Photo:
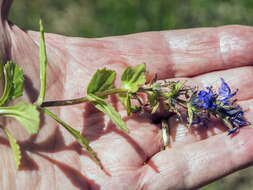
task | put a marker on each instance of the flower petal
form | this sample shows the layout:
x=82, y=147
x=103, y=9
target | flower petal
x=231, y=131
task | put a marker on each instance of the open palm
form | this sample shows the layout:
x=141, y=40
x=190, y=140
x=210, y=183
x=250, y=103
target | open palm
x=53, y=160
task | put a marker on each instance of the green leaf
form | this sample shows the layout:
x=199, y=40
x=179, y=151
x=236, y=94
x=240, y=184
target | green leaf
x=14, y=147
x=122, y=98
x=175, y=90
x=152, y=98
x=178, y=86
x=153, y=101
x=101, y=81
x=132, y=78
x=190, y=114
x=155, y=107
x=76, y=134
x=109, y=110
x=135, y=109
x=26, y=114
x=14, y=79
x=43, y=66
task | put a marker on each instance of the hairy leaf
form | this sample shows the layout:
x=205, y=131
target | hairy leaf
x=26, y=114
x=132, y=78
x=109, y=110
x=101, y=81
x=14, y=79
x=14, y=147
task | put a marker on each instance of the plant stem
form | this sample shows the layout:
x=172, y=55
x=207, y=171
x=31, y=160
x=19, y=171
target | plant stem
x=82, y=99
x=43, y=66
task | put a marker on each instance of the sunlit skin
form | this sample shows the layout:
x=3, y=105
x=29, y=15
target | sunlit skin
x=53, y=160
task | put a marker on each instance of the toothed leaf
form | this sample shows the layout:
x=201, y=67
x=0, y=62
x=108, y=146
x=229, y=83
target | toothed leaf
x=26, y=114
x=132, y=78
x=101, y=81
x=14, y=79
x=14, y=147
x=109, y=110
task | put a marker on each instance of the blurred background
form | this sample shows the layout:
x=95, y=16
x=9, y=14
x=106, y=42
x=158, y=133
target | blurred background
x=96, y=18
x=99, y=18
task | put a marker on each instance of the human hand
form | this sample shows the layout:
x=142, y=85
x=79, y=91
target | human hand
x=53, y=160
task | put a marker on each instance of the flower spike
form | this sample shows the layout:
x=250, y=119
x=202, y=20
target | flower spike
x=207, y=99
x=225, y=93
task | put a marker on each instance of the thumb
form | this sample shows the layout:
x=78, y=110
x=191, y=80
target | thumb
x=5, y=7
x=4, y=50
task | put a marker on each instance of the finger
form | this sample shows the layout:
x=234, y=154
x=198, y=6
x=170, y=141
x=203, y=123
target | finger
x=189, y=52
x=178, y=53
x=4, y=48
x=182, y=135
x=237, y=78
x=196, y=51
x=197, y=164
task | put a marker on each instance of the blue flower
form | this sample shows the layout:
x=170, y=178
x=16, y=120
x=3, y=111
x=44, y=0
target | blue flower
x=225, y=93
x=235, y=116
x=239, y=121
x=207, y=99
x=231, y=131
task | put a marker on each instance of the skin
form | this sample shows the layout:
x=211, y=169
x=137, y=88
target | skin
x=53, y=160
